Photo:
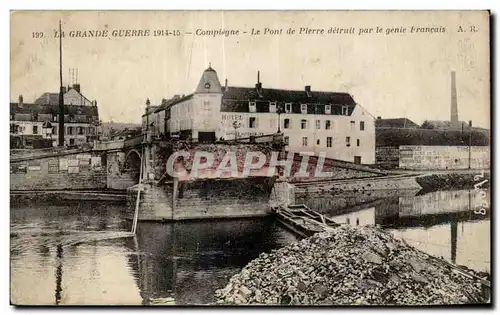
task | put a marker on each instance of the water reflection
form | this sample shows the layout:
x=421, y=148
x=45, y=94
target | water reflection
x=185, y=261
x=448, y=224
x=189, y=261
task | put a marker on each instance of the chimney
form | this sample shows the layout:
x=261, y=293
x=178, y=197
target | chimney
x=225, y=85
x=454, y=106
x=21, y=103
x=470, y=123
x=378, y=117
x=308, y=90
x=258, y=88
x=76, y=86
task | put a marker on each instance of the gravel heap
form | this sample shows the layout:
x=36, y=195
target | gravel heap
x=347, y=266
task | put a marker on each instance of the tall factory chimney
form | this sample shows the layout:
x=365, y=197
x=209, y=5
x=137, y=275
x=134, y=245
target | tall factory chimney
x=454, y=106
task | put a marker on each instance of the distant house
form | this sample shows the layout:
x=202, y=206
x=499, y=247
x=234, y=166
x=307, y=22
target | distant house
x=395, y=123
x=36, y=125
x=72, y=96
x=116, y=130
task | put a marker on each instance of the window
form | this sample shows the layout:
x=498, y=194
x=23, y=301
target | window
x=287, y=140
x=353, y=125
x=272, y=107
x=71, y=141
x=80, y=130
x=328, y=142
x=54, y=118
x=252, y=123
x=328, y=109
x=328, y=124
x=54, y=130
x=317, y=142
x=304, y=141
x=345, y=110
x=361, y=125
x=206, y=105
x=303, y=108
x=288, y=107
x=303, y=124
x=35, y=130
x=287, y=124
x=348, y=141
x=90, y=130
x=252, y=107
x=357, y=142
x=70, y=130
x=318, y=124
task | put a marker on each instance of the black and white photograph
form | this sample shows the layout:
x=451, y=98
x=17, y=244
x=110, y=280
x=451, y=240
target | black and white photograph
x=250, y=158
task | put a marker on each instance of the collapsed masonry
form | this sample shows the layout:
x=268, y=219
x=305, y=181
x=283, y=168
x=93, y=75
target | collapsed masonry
x=352, y=266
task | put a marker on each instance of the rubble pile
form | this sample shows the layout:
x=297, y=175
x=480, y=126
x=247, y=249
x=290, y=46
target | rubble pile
x=349, y=266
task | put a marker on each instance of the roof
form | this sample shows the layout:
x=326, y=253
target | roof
x=235, y=99
x=48, y=98
x=174, y=100
x=395, y=123
x=53, y=98
x=53, y=109
x=209, y=82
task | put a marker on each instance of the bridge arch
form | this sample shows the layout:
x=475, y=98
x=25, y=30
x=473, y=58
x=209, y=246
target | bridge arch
x=132, y=165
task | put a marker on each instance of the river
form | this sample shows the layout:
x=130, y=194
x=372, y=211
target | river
x=60, y=253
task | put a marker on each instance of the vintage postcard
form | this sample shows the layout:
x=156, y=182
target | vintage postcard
x=250, y=158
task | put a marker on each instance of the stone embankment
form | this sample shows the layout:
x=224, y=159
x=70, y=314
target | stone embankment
x=351, y=266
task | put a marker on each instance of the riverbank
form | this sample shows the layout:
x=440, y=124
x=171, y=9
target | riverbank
x=453, y=180
x=352, y=266
x=110, y=195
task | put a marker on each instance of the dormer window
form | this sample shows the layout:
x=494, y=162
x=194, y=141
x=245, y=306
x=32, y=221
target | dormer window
x=288, y=107
x=345, y=110
x=272, y=107
x=303, y=108
x=252, y=107
x=328, y=109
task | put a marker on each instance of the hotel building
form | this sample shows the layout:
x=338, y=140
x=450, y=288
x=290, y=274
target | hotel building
x=311, y=121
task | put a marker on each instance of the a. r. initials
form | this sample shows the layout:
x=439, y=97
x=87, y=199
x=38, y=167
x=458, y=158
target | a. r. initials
x=472, y=29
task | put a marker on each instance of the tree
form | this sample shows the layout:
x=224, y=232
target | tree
x=427, y=125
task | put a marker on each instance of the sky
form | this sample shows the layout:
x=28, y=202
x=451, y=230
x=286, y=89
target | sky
x=390, y=75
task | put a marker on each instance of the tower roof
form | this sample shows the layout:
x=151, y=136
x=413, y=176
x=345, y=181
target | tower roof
x=209, y=82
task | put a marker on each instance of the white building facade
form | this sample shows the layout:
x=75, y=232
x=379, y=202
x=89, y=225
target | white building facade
x=311, y=121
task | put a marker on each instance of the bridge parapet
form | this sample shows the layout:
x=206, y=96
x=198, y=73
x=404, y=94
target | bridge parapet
x=109, y=145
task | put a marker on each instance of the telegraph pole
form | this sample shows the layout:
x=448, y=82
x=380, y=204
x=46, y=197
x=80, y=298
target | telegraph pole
x=61, y=92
